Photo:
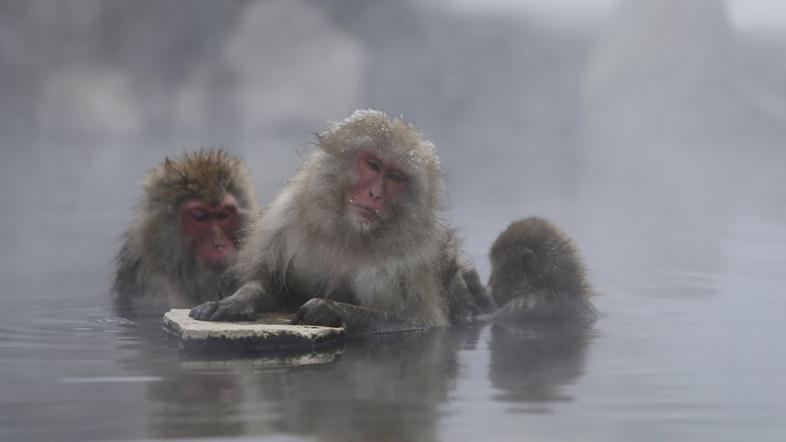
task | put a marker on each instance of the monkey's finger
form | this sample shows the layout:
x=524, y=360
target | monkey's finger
x=245, y=314
x=232, y=311
x=298, y=318
x=204, y=311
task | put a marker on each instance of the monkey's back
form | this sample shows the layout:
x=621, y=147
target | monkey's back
x=537, y=269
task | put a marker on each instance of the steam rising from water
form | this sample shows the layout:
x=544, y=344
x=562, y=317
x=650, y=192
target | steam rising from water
x=654, y=137
x=641, y=135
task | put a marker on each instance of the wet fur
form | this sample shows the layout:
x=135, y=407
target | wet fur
x=407, y=267
x=156, y=268
x=537, y=273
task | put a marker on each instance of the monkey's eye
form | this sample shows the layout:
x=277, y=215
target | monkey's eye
x=395, y=176
x=226, y=213
x=199, y=215
x=373, y=165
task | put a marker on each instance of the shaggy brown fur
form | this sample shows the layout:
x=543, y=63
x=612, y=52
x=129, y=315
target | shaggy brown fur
x=156, y=268
x=207, y=175
x=405, y=272
x=537, y=272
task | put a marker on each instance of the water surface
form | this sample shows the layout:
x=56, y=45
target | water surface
x=678, y=354
x=661, y=153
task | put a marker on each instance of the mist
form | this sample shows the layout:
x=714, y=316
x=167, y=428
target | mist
x=615, y=128
x=652, y=132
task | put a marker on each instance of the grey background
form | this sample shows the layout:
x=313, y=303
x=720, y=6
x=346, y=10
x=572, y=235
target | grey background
x=651, y=131
x=624, y=122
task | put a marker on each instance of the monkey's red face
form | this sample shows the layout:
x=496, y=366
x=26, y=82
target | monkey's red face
x=211, y=230
x=376, y=190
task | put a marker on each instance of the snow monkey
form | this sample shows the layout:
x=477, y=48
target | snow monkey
x=356, y=239
x=537, y=273
x=185, y=232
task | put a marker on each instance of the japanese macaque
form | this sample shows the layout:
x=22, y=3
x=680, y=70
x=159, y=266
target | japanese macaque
x=185, y=232
x=355, y=239
x=537, y=273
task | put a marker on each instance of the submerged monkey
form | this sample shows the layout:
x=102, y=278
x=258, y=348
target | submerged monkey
x=537, y=273
x=185, y=232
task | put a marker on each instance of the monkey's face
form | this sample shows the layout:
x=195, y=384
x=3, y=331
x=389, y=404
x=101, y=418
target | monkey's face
x=211, y=230
x=373, y=196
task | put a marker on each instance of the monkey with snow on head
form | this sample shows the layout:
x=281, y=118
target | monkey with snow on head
x=356, y=238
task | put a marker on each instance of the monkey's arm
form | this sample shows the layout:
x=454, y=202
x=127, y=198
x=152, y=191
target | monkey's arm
x=241, y=306
x=479, y=293
x=356, y=320
x=467, y=299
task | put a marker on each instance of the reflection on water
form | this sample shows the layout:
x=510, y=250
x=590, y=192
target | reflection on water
x=386, y=388
x=687, y=355
x=660, y=152
x=531, y=363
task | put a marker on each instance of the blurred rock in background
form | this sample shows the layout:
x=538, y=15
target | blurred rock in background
x=638, y=130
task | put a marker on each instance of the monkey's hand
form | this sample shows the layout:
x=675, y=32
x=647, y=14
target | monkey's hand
x=355, y=319
x=239, y=307
x=319, y=311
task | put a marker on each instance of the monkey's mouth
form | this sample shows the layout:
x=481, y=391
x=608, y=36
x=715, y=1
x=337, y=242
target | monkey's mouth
x=216, y=255
x=367, y=213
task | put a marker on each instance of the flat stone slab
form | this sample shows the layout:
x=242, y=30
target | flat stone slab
x=268, y=332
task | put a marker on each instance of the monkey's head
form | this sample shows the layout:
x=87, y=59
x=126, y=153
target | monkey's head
x=203, y=199
x=534, y=254
x=384, y=173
